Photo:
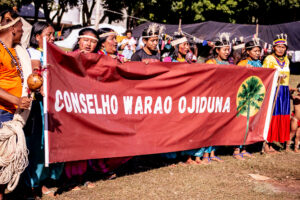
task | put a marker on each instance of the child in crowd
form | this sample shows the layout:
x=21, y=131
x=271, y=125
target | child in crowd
x=295, y=121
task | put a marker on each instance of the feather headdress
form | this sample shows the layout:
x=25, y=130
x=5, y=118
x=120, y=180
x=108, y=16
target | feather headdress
x=153, y=30
x=223, y=40
x=256, y=43
x=281, y=39
x=238, y=44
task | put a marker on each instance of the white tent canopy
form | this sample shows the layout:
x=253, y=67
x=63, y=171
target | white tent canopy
x=71, y=40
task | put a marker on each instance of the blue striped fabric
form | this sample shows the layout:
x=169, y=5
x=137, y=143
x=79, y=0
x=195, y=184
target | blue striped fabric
x=282, y=106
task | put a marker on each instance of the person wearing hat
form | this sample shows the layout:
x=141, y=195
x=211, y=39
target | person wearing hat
x=238, y=49
x=279, y=130
x=108, y=44
x=11, y=73
x=221, y=50
x=251, y=56
x=220, y=54
x=180, y=48
x=149, y=53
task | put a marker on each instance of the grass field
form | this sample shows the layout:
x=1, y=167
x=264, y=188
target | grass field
x=151, y=177
x=146, y=178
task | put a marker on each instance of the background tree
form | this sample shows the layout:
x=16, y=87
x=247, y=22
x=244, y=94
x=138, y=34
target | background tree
x=87, y=11
x=170, y=11
x=116, y=7
x=191, y=11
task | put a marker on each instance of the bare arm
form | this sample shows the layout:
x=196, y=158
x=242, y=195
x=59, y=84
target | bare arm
x=22, y=102
x=36, y=65
x=5, y=96
x=123, y=46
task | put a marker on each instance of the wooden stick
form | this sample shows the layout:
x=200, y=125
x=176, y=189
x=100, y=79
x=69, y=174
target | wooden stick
x=62, y=27
x=179, y=27
x=273, y=107
x=256, y=28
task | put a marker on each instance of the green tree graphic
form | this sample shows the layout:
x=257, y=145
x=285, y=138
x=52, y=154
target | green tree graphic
x=250, y=96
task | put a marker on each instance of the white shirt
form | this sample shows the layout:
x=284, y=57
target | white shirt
x=130, y=45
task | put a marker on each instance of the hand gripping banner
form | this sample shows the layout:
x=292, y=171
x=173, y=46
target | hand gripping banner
x=100, y=108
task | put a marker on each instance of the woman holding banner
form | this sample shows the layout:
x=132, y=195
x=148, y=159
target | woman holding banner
x=178, y=54
x=36, y=171
x=279, y=130
x=180, y=49
x=108, y=46
x=251, y=56
x=219, y=56
x=88, y=42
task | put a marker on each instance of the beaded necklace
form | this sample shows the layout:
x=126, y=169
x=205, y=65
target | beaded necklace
x=280, y=62
x=15, y=62
x=222, y=62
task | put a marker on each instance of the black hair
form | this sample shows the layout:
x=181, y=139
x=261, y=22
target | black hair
x=103, y=39
x=248, y=47
x=37, y=29
x=128, y=31
x=175, y=49
x=82, y=32
x=146, y=33
x=213, y=53
x=273, y=50
x=13, y=15
x=236, y=54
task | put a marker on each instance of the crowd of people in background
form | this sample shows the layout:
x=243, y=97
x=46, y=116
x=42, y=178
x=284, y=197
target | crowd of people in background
x=152, y=46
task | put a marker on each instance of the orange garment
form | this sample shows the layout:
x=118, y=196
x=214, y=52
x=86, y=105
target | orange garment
x=10, y=79
x=243, y=63
x=211, y=61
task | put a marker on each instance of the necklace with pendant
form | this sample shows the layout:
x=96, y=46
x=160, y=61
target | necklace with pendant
x=14, y=62
x=280, y=62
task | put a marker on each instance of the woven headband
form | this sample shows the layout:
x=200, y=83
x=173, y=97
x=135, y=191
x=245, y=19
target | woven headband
x=179, y=41
x=149, y=36
x=88, y=36
x=239, y=46
x=280, y=41
x=11, y=23
x=223, y=45
x=107, y=34
x=250, y=47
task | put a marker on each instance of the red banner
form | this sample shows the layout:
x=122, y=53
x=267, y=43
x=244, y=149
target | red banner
x=99, y=108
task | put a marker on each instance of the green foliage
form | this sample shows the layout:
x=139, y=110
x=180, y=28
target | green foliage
x=234, y=11
x=170, y=11
x=5, y=4
x=250, y=96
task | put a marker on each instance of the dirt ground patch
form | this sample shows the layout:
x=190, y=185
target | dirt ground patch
x=145, y=178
